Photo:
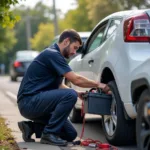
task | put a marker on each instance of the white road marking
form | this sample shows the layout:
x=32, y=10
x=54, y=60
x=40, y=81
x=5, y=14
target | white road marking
x=10, y=94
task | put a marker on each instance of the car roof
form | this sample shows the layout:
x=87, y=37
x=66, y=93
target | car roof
x=26, y=54
x=23, y=51
x=124, y=13
x=82, y=34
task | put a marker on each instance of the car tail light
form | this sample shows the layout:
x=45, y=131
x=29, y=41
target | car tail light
x=137, y=28
x=17, y=64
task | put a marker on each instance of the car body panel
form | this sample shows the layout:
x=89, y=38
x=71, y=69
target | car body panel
x=122, y=58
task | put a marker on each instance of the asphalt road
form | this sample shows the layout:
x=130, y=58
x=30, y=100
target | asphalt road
x=93, y=126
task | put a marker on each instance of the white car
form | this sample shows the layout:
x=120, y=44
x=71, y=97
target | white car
x=117, y=46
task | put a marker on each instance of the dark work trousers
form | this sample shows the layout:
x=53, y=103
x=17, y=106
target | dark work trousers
x=49, y=111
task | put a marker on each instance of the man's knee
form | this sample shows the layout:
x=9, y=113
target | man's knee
x=73, y=95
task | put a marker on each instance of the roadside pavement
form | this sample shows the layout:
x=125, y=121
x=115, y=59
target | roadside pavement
x=10, y=112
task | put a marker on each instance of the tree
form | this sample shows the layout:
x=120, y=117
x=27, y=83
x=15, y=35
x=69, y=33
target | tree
x=7, y=41
x=98, y=9
x=128, y=4
x=34, y=16
x=77, y=18
x=43, y=37
x=7, y=18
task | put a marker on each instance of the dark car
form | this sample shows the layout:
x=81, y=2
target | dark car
x=21, y=62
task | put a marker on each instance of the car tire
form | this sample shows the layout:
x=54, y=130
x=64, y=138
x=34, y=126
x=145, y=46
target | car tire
x=13, y=78
x=143, y=121
x=124, y=130
x=75, y=116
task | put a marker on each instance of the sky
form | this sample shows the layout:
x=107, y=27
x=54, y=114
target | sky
x=64, y=5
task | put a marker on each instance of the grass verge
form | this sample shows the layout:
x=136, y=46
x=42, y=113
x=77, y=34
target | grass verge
x=7, y=141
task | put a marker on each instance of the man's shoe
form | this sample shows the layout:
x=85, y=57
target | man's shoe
x=52, y=140
x=27, y=130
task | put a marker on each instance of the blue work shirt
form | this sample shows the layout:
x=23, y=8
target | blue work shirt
x=44, y=73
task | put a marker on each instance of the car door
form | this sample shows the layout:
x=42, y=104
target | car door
x=82, y=64
x=92, y=45
x=103, y=53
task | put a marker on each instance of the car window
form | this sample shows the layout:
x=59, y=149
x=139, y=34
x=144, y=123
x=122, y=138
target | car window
x=84, y=39
x=97, y=38
x=112, y=27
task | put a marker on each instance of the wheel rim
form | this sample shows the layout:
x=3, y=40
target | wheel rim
x=110, y=121
x=145, y=127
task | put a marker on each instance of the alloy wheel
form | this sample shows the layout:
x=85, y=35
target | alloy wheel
x=110, y=121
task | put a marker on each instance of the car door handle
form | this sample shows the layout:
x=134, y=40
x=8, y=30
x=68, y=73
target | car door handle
x=91, y=61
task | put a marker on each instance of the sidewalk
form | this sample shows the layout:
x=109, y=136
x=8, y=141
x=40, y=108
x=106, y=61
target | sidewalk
x=10, y=112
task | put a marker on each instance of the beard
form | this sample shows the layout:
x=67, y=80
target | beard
x=66, y=52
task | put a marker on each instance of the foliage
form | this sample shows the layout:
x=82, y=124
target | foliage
x=98, y=9
x=77, y=19
x=128, y=4
x=7, y=141
x=7, y=18
x=34, y=16
x=43, y=37
x=7, y=39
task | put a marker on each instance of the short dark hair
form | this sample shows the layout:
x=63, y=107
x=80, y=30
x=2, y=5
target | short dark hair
x=71, y=34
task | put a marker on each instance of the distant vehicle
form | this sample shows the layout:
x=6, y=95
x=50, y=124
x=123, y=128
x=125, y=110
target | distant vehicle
x=21, y=62
x=83, y=35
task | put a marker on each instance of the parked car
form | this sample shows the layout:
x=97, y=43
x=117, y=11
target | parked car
x=112, y=53
x=20, y=63
x=84, y=36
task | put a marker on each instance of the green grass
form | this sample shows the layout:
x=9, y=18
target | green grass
x=7, y=141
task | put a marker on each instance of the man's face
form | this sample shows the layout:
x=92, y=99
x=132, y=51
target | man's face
x=71, y=49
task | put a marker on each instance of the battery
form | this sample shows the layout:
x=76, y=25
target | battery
x=97, y=103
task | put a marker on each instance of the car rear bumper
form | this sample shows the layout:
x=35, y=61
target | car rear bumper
x=78, y=104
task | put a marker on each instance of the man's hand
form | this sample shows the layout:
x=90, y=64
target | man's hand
x=104, y=88
x=80, y=95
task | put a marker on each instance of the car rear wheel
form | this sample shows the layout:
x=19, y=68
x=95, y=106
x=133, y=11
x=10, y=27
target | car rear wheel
x=117, y=129
x=143, y=122
x=75, y=115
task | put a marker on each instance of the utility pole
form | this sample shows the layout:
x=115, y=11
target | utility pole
x=28, y=31
x=55, y=19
